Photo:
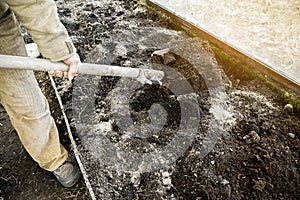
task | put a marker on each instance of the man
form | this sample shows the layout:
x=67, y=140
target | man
x=19, y=92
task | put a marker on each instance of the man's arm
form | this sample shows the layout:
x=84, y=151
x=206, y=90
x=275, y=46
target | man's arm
x=41, y=20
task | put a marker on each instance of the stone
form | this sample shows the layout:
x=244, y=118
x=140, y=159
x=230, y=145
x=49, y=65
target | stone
x=292, y=135
x=224, y=182
x=252, y=137
x=288, y=108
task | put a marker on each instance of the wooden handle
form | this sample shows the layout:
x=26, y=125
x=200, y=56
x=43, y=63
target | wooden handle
x=18, y=62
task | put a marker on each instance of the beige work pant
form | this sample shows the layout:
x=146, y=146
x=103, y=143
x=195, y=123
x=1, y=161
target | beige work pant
x=24, y=102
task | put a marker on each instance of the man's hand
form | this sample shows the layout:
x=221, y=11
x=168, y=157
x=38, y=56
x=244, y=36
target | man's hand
x=72, y=62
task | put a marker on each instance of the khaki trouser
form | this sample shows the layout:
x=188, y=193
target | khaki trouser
x=24, y=102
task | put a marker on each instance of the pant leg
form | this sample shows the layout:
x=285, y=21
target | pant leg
x=23, y=100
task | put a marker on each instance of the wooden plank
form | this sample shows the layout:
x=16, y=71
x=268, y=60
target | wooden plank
x=273, y=72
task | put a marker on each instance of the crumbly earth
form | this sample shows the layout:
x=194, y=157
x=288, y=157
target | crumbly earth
x=256, y=155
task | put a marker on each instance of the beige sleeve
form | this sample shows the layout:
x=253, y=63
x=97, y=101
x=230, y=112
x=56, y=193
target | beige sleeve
x=41, y=20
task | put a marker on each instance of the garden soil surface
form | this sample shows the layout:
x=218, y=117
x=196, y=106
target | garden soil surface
x=237, y=139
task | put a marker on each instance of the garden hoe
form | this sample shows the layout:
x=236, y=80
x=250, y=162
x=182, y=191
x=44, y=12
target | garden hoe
x=142, y=75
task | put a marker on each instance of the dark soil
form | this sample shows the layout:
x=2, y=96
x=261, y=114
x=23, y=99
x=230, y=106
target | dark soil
x=255, y=156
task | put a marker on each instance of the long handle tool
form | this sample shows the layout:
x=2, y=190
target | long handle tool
x=36, y=64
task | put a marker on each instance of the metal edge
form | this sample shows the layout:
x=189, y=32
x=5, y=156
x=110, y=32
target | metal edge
x=273, y=72
x=73, y=143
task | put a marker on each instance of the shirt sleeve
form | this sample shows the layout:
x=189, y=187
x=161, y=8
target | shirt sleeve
x=41, y=20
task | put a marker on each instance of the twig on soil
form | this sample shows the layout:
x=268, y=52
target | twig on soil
x=20, y=158
x=83, y=110
x=11, y=130
x=21, y=151
x=4, y=179
x=16, y=180
x=72, y=197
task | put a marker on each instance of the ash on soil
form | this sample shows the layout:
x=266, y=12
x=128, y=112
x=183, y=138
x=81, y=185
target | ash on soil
x=257, y=158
